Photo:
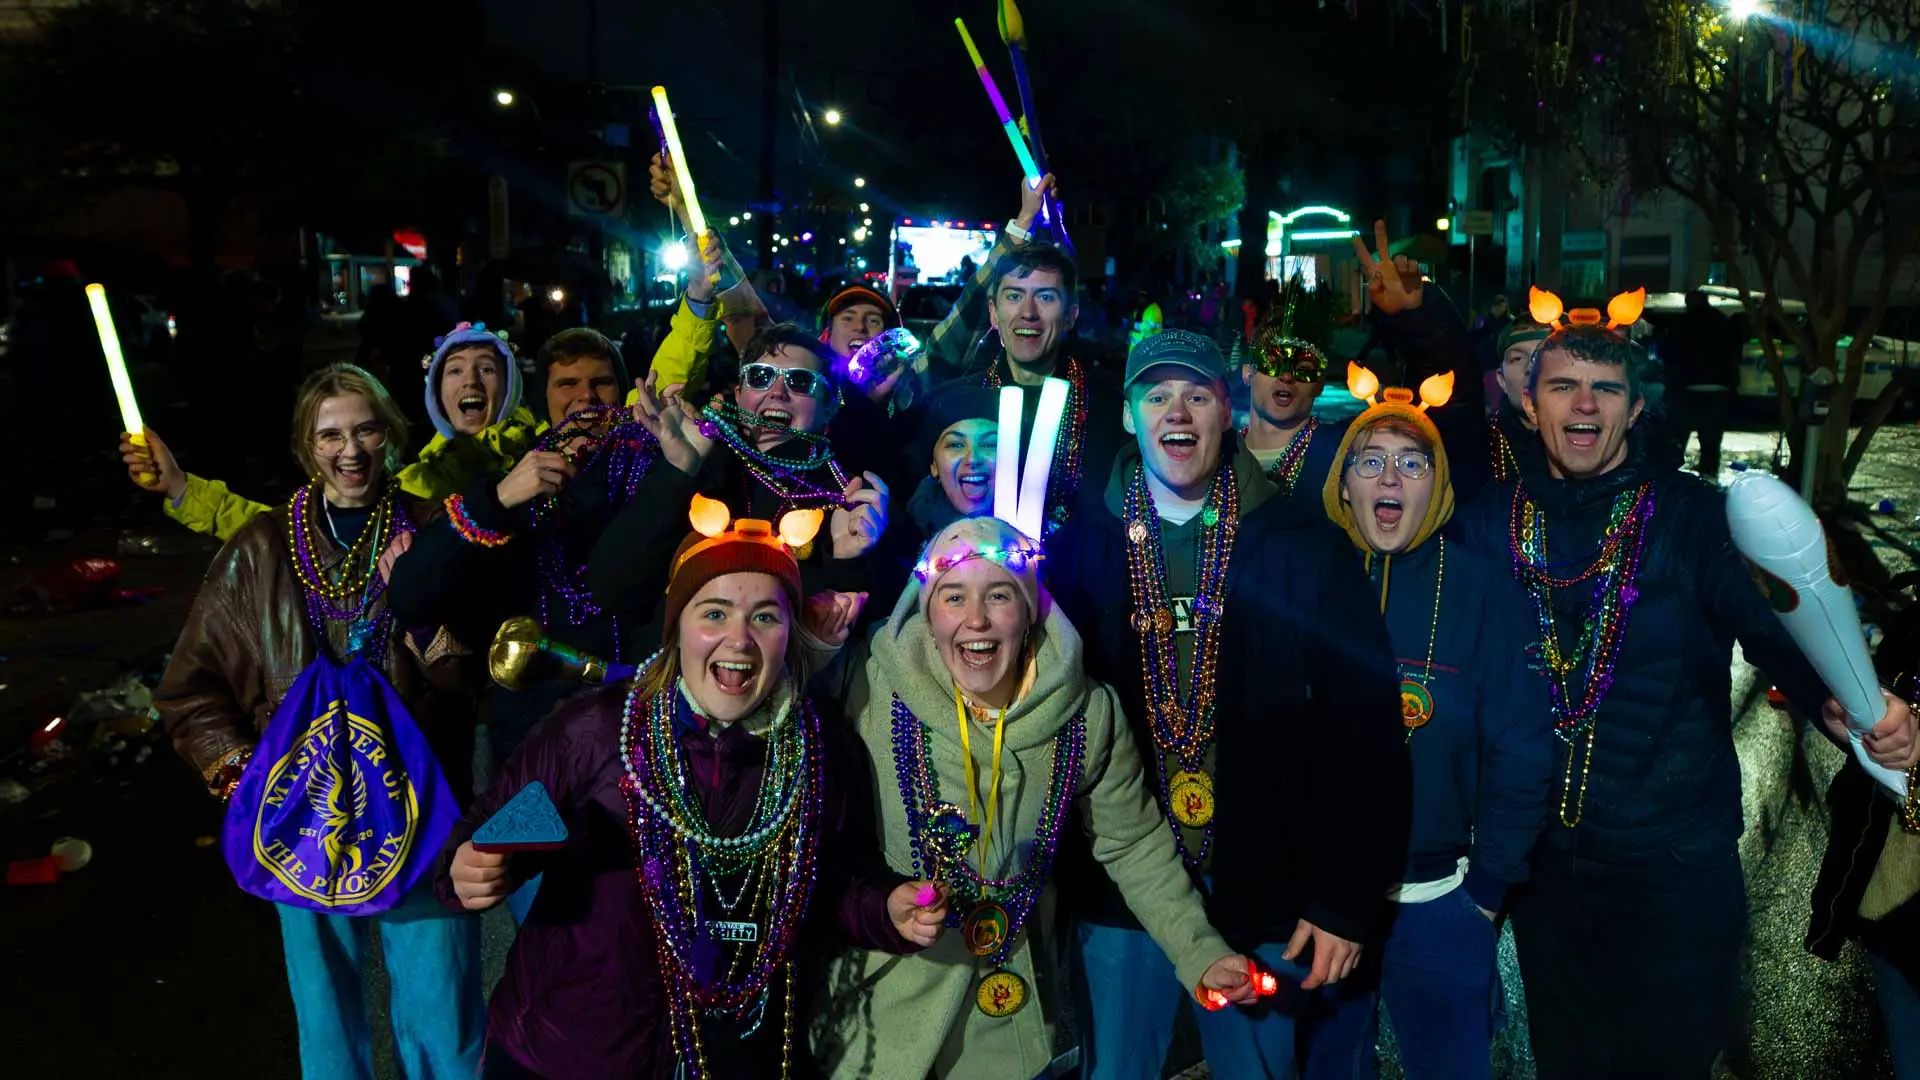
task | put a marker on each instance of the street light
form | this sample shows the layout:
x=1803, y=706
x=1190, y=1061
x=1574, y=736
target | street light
x=503, y=98
x=735, y=220
x=864, y=208
x=831, y=116
x=674, y=256
x=859, y=181
x=866, y=221
x=1443, y=224
x=1742, y=10
x=747, y=216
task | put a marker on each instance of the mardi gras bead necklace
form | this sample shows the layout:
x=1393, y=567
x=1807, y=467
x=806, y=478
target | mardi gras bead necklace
x=722, y=967
x=621, y=455
x=1505, y=466
x=1287, y=469
x=1063, y=480
x=1182, y=724
x=350, y=591
x=989, y=912
x=1615, y=572
x=1416, y=695
x=796, y=481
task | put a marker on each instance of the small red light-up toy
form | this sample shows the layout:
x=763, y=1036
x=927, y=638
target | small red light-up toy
x=1265, y=984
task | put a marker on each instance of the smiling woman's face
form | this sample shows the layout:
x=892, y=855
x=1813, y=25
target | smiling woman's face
x=979, y=620
x=733, y=643
x=963, y=464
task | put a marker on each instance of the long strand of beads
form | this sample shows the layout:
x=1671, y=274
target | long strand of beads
x=1287, y=469
x=672, y=864
x=1182, y=723
x=798, y=482
x=940, y=837
x=1615, y=575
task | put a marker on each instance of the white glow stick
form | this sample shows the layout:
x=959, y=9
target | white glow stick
x=1006, y=481
x=1046, y=435
x=1779, y=534
x=117, y=366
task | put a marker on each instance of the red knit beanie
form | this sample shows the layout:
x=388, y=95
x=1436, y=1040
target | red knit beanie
x=749, y=546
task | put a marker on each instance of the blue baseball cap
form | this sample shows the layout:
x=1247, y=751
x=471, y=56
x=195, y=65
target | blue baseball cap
x=1182, y=348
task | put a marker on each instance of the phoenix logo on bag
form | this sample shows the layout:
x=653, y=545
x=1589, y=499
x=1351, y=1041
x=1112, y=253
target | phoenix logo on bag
x=346, y=850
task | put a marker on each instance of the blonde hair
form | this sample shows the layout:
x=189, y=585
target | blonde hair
x=346, y=380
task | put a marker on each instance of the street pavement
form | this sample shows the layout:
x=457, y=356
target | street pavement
x=150, y=963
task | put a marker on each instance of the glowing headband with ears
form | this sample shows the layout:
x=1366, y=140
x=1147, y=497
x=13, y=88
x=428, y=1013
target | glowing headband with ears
x=711, y=518
x=1436, y=391
x=1622, y=310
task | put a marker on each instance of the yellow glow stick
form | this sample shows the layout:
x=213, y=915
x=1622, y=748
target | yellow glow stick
x=682, y=177
x=117, y=367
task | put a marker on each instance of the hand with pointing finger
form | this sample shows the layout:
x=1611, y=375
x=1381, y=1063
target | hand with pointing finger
x=1393, y=281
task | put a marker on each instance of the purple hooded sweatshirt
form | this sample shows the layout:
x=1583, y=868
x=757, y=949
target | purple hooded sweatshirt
x=582, y=995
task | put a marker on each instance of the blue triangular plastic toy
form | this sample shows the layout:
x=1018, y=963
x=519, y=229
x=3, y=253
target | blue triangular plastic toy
x=528, y=822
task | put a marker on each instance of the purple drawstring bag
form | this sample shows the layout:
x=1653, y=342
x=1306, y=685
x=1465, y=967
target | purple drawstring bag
x=343, y=807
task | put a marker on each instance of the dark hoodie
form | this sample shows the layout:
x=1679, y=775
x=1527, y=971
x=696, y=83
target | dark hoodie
x=1664, y=775
x=1311, y=776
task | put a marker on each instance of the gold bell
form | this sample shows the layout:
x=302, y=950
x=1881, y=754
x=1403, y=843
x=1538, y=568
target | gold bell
x=518, y=646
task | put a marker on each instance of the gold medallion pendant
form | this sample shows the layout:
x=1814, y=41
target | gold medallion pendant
x=1416, y=704
x=1190, y=798
x=985, y=929
x=1001, y=994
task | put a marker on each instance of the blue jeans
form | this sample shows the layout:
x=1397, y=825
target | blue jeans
x=1900, y=1007
x=433, y=971
x=1129, y=997
x=1435, y=972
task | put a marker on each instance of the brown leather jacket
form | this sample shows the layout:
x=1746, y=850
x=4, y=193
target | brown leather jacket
x=247, y=640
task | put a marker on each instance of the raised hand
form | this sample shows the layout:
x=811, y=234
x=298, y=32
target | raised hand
x=1031, y=200
x=857, y=525
x=660, y=181
x=713, y=258
x=540, y=472
x=151, y=467
x=667, y=418
x=1393, y=282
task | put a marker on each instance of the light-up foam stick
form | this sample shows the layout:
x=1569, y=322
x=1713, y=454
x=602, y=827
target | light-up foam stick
x=1020, y=495
x=1000, y=107
x=117, y=367
x=682, y=176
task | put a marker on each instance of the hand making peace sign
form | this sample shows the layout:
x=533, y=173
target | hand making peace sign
x=1393, y=283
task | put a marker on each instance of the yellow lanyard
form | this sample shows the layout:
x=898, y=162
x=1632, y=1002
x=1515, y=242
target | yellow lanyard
x=973, y=778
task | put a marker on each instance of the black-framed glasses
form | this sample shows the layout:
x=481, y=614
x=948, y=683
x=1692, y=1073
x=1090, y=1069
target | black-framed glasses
x=1410, y=464
x=803, y=381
